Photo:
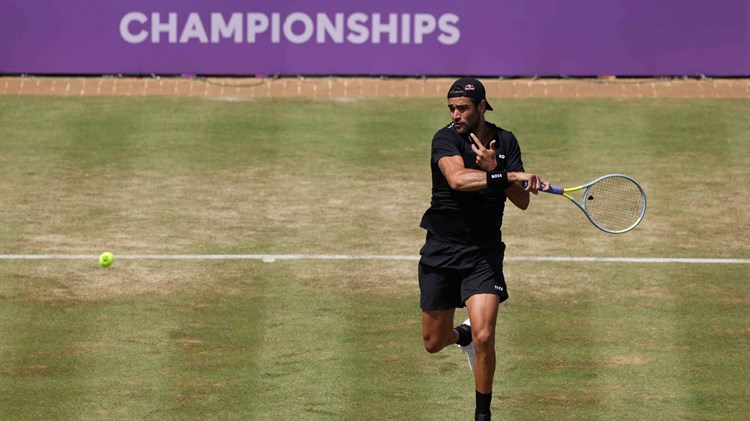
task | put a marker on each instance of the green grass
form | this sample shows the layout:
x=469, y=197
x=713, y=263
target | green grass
x=319, y=340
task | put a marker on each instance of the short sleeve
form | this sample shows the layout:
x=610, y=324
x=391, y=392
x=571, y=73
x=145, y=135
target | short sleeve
x=513, y=162
x=443, y=145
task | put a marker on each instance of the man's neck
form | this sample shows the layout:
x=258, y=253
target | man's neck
x=484, y=132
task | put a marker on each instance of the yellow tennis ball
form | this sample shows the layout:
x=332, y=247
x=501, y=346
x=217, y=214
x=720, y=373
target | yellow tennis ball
x=106, y=259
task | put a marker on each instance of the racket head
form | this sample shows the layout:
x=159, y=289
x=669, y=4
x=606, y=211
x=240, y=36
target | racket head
x=614, y=203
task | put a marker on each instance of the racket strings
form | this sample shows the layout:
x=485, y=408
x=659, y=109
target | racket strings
x=614, y=203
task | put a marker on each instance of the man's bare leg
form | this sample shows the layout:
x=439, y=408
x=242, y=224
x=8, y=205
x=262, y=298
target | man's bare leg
x=483, y=309
x=437, y=329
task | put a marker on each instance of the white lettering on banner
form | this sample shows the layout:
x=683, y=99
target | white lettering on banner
x=405, y=28
x=449, y=31
x=275, y=37
x=194, y=29
x=133, y=38
x=390, y=28
x=307, y=24
x=220, y=28
x=257, y=23
x=335, y=30
x=359, y=32
x=423, y=24
x=297, y=28
x=157, y=28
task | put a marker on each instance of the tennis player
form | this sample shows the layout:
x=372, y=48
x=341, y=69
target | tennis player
x=475, y=165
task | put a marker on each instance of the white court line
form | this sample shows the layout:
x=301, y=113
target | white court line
x=274, y=257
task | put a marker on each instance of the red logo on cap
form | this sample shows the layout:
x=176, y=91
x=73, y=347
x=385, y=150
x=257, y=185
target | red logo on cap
x=469, y=88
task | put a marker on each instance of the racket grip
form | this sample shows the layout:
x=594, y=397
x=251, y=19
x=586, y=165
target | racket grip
x=552, y=189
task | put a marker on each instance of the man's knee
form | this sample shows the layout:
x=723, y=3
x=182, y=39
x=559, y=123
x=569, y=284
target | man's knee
x=437, y=329
x=483, y=338
x=434, y=343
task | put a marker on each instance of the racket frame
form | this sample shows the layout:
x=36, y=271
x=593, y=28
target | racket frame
x=565, y=192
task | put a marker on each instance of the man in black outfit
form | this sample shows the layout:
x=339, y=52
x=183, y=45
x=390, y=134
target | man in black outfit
x=475, y=167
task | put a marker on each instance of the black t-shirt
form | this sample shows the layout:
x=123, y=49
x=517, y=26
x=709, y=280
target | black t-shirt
x=468, y=217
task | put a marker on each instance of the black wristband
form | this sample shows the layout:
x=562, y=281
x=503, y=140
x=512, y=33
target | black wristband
x=498, y=178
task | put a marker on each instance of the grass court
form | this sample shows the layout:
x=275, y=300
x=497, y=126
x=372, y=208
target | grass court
x=341, y=339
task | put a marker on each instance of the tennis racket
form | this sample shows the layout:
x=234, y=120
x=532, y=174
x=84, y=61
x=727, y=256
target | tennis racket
x=614, y=203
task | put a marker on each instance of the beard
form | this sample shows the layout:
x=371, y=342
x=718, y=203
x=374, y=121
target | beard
x=464, y=127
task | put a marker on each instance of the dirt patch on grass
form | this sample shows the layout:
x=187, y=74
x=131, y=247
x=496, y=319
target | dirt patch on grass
x=384, y=278
x=586, y=398
x=85, y=281
x=241, y=88
x=623, y=360
x=29, y=370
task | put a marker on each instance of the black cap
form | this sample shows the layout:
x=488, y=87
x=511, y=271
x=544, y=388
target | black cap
x=470, y=88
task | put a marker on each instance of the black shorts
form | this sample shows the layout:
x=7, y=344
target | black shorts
x=451, y=272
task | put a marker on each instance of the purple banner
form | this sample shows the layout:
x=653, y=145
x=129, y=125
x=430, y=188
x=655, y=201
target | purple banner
x=387, y=37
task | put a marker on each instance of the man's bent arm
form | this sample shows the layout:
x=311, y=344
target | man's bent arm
x=459, y=177
x=518, y=196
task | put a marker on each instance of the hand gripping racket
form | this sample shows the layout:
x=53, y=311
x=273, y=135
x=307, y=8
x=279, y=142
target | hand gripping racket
x=614, y=203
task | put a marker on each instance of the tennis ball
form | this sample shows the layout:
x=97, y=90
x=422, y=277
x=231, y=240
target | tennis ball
x=106, y=259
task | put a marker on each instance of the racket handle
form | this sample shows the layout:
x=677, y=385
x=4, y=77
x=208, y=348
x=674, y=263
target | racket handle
x=552, y=189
